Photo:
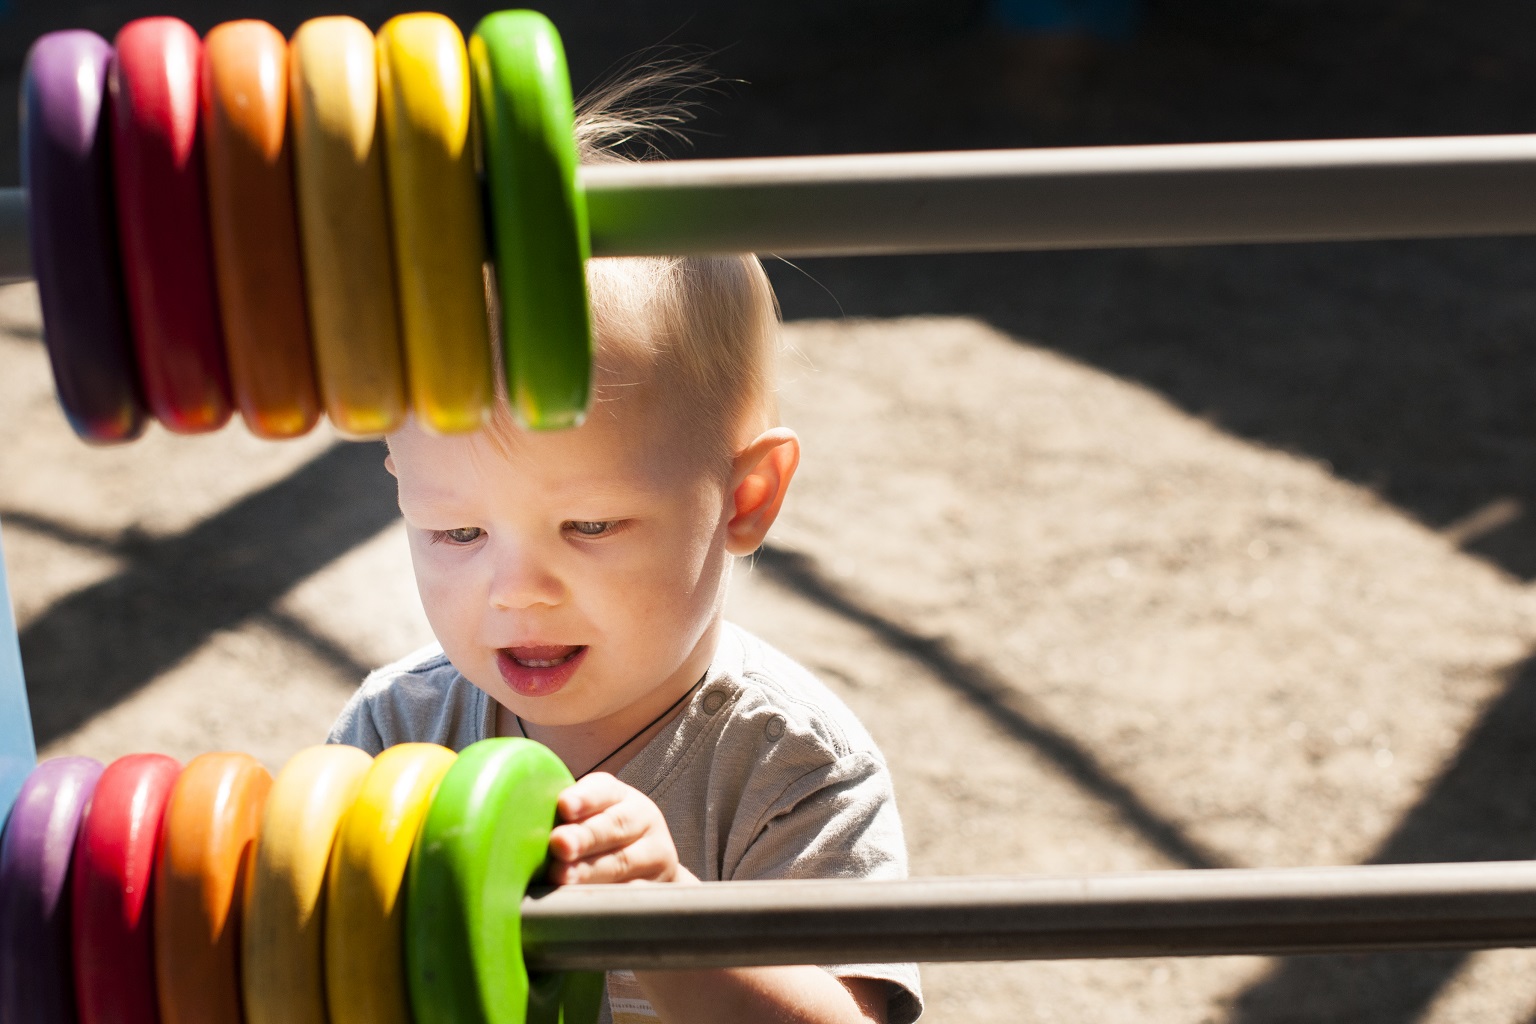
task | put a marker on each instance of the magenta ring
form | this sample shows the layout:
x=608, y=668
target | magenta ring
x=36, y=969
x=67, y=171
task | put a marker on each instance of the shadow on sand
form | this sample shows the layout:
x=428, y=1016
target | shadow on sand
x=227, y=568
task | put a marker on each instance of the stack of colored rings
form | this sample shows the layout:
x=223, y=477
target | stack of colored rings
x=290, y=227
x=149, y=892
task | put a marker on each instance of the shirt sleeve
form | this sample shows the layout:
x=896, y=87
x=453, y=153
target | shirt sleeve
x=416, y=701
x=356, y=727
x=840, y=821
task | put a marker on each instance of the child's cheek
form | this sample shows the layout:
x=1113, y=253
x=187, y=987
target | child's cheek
x=440, y=584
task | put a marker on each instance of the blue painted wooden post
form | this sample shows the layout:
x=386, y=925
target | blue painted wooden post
x=18, y=751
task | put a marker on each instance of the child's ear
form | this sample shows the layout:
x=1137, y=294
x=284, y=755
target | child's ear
x=760, y=476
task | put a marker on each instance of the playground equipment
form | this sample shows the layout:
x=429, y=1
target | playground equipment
x=286, y=228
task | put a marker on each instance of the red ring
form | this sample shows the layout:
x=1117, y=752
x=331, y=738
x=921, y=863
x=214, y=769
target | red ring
x=113, y=867
x=162, y=212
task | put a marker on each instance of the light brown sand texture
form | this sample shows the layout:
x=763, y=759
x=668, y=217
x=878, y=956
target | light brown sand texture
x=1091, y=632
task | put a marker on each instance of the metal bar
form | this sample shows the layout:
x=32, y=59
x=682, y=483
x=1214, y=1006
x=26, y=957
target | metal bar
x=1068, y=198
x=1165, y=913
x=1098, y=197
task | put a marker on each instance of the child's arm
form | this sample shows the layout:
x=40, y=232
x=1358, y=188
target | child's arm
x=614, y=833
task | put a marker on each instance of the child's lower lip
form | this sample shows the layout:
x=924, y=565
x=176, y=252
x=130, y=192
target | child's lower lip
x=528, y=681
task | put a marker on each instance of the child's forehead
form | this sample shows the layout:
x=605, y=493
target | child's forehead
x=624, y=445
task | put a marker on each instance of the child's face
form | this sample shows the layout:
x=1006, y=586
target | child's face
x=575, y=572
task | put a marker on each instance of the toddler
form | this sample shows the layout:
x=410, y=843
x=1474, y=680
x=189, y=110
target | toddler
x=575, y=582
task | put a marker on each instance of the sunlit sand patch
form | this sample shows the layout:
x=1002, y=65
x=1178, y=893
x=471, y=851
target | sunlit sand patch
x=51, y=566
x=247, y=689
x=1268, y=664
x=364, y=602
x=1273, y=662
x=161, y=484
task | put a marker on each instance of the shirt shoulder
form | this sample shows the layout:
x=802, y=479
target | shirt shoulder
x=770, y=775
x=766, y=758
x=420, y=698
x=773, y=694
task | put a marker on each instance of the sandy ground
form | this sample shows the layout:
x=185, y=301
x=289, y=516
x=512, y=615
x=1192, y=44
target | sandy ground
x=1090, y=631
x=1129, y=560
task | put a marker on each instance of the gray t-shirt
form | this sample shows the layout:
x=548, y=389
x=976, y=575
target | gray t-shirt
x=766, y=774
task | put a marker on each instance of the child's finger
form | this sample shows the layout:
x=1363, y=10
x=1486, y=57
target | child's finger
x=616, y=826
x=643, y=861
x=589, y=795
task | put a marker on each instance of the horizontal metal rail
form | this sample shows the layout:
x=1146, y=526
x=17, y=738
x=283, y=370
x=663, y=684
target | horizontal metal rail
x=1096, y=197
x=1162, y=913
x=1086, y=198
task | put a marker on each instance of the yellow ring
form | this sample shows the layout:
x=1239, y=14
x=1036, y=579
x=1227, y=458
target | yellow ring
x=344, y=224
x=282, y=953
x=439, y=231
x=364, y=911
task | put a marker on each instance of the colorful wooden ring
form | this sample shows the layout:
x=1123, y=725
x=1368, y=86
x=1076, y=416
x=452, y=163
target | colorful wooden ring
x=483, y=840
x=349, y=275
x=281, y=954
x=36, y=980
x=439, y=230
x=211, y=824
x=538, y=215
x=113, y=870
x=162, y=216
x=364, y=908
x=67, y=171
x=255, y=228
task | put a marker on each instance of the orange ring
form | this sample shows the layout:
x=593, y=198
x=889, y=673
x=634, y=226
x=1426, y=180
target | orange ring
x=255, y=228
x=210, y=830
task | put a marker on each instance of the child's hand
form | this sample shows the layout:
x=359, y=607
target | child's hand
x=612, y=832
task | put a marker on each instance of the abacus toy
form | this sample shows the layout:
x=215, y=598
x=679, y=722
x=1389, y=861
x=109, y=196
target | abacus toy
x=223, y=232
x=392, y=889
x=291, y=227
x=147, y=891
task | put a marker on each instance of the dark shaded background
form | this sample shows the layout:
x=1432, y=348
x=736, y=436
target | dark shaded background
x=1416, y=365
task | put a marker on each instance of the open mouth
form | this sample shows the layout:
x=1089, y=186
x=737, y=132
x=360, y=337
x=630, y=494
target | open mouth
x=539, y=671
x=543, y=657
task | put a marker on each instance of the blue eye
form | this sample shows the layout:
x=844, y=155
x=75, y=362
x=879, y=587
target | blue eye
x=459, y=535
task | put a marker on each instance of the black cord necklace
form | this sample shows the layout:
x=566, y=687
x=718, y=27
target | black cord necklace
x=642, y=731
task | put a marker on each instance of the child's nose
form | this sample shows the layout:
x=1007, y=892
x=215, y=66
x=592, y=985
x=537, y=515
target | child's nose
x=521, y=580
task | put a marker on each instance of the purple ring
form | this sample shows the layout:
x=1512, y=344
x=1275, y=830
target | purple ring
x=66, y=168
x=36, y=973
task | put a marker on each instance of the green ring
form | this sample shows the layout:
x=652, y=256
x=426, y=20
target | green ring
x=538, y=215
x=484, y=839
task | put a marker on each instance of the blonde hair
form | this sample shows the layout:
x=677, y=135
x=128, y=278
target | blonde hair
x=697, y=333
